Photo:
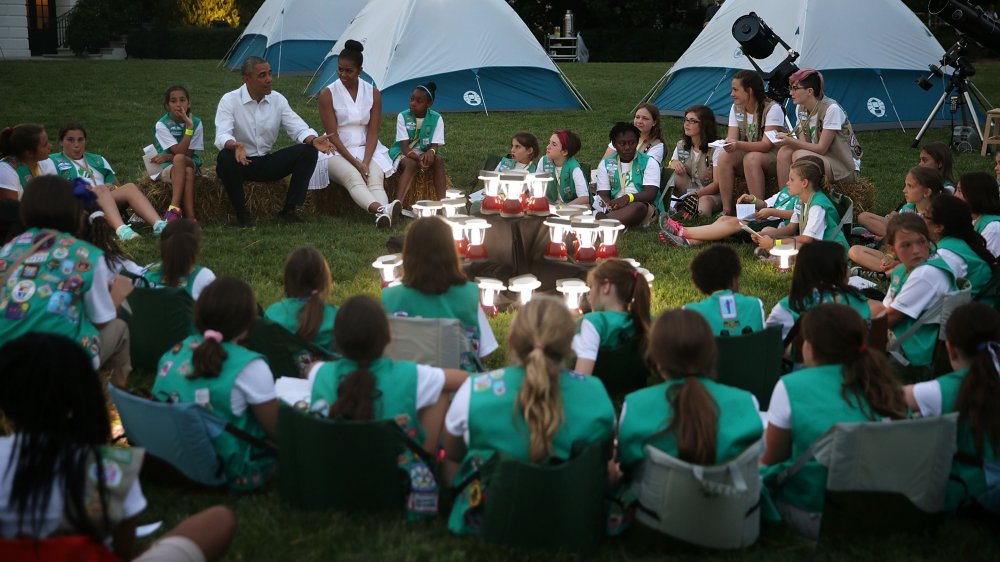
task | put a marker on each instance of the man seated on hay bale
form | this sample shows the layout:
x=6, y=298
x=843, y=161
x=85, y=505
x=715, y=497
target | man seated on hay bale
x=246, y=126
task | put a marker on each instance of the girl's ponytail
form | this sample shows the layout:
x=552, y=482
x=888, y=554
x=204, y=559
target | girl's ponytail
x=209, y=356
x=973, y=331
x=224, y=312
x=356, y=395
x=307, y=277
x=630, y=288
x=361, y=331
x=695, y=421
x=180, y=243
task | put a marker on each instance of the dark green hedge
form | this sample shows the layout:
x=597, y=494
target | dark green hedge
x=637, y=45
x=181, y=42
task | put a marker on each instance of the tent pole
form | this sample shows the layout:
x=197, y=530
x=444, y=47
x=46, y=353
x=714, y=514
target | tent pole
x=891, y=102
x=482, y=96
x=654, y=90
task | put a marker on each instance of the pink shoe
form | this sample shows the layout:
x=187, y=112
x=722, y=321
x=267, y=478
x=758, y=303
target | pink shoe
x=171, y=215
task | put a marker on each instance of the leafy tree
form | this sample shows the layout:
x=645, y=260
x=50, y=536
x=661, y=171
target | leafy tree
x=203, y=13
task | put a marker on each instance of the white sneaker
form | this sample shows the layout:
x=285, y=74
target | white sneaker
x=382, y=219
x=126, y=233
x=395, y=211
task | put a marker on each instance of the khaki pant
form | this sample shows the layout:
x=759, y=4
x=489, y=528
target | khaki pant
x=114, y=352
x=364, y=193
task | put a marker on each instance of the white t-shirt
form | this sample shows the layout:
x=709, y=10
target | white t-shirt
x=402, y=135
x=774, y=118
x=779, y=411
x=254, y=385
x=992, y=235
x=86, y=171
x=456, y=421
x=954, y=261
x=654, y=151
x=135, y=501
x=817, y=221
x=430, y=383
x=587, y=341
x=928, y=397
x=167, y=140
x=579, y=182
x=97, y=301
x=833, y=121
x=650, y=177
x=10, y=180
x=780, y=317
x=924, y=286
x=487, y=341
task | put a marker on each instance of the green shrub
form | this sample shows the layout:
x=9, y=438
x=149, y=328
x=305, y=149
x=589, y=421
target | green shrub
x=181, y=42
x=89, y=29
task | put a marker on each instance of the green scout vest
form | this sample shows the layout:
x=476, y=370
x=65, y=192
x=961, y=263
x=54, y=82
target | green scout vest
x=858, y=303
x=908, y=208
x=562, y=188
x=285, y=313
x=419, y=139
x=23, y=172
x=752, y=132
x=459, y=301
x=647, y=415
x=973, y=477
x=46, y=292
x=174, y=384
x=395, y=384
x=844, y=148
x=69, y=170
x=730, y=313
x=831, y=218
x=979, y=272
x=615, y=328
x=984, y=220
x=785, y=201
x=177, y=131
x=919, y=349
x=700, y=168
x=496, y=425
x=154, y=274
x=634, y=178
x=507, y=163
x=814, y=395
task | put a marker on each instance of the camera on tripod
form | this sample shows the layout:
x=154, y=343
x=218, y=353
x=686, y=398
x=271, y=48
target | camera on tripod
x=954, y=58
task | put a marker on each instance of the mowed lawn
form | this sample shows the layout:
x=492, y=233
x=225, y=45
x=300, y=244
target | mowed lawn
x=119, y=101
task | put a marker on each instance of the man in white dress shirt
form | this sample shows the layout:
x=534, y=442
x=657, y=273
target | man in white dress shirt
x=246, y=126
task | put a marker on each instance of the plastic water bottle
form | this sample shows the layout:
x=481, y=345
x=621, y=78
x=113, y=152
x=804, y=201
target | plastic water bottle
x=567, y=27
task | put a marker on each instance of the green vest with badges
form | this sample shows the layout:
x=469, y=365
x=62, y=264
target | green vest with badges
x=967, y=480
x=908, y=208
x=619, y=184
x=46, y=292
x=459, y=301
x=395, y=386
x=419, y=138
x=855, y=301
x=919, y=348
x=285, y=313
x=68, y=169
x=615, y=328
x=562, y=188
x=730, y=313
x=831, y=218
x=979, y=272
x=984, y=220
x=497, y=425
x=507, y=164
x=23, y=171
x=154, y=274
x=245, y=468
x=177, y=131
x=814, y=395
x=647, y=415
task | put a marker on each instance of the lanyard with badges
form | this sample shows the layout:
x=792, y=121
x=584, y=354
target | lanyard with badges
x=623, y=181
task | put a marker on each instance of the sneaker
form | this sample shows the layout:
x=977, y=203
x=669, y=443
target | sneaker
x=244, y=220
x=868, y=274
x=126, y=233
x=290, y=217
x=172, y=214
x=382, y=220
x=673, y=240
x=158, y=227
x=670, y=225
x=395, y=211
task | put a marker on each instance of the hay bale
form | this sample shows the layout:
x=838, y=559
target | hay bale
x=422, y=188
x=770, y=187
x=332, y=200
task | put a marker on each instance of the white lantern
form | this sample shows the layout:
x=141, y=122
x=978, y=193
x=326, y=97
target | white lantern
x=426, y=208
x=558, y=227
x=491, y=199
x=631, y=262
x=586, y=240
x=784, y=253
x=476, y=230
x=538, y=184
x=387, y=266
x=647, y=275
x=512, y=185
x=457, y=223
x=452, y=193
x=453, y=207
x=570, y=211
x=573, y=291
x=610, y=229
x=524, y=286
x=489, y=288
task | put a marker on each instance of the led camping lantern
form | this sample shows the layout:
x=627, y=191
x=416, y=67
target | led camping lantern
x=491, y=199
x=610, y=229
x=427, y=208
x=452, y=193
x=784, y=253
x=573, y=290
x=524, y=286
x=647, y=275
x=476, y=231
x=556, y=250
x=457, y=223
x=386, y=266
x=489, y=288
x=512, y=187
x=453, y=206
x=586, y=238
x=538, y=184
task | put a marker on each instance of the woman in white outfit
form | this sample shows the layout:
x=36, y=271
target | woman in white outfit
x=351, y=110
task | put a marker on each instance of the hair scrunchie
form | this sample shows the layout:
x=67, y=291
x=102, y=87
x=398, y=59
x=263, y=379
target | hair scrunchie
x=213, y=335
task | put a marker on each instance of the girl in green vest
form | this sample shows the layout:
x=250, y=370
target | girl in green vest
x=50, y=442
x=949, y=221
x=921, y=185
x=434, y=286
x=24, y=154
x=568, y=186
x=822, y=129
x=523, y=153
x=815, y=217
x=419, y=134
x=972, y=390
x=820, y=276
x=180, y=246
x=619, y=304
x=844, y=381
x=179, y=135
x=628, y=182
x=918, y=282
x=715, y=271
x=214, y=371
x=75, y=162
x=534, y=411
x=979, y=190
x=937, y=156
x=304, y=310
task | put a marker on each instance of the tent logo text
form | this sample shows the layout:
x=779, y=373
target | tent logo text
x=876, y=107
x=472, y=98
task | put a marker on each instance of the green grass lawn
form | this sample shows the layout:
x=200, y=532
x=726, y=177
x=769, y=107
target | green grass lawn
x=119, y=101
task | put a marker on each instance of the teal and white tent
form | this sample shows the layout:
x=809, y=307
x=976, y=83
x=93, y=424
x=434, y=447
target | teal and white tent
x=871, y=53
x=294, y=35
x=479, y=53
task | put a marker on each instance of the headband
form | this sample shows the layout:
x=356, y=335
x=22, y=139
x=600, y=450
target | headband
x=991, y=347
x=429, y=93
x=563, y=138
x=95, y=215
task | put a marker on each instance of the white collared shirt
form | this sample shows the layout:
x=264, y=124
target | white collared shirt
x=254, y=124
